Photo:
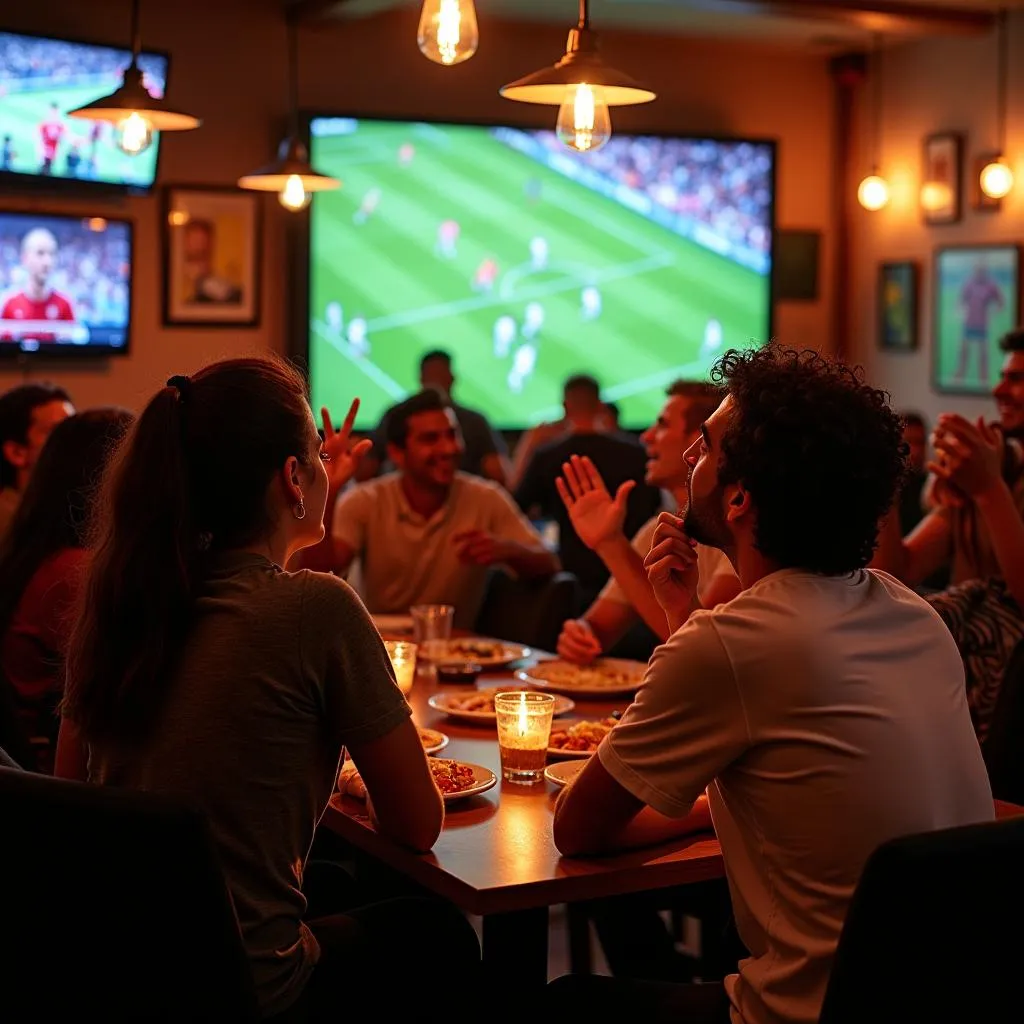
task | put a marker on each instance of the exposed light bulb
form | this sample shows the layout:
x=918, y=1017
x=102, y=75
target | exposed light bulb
x=584, y=123
x=873, y=192
x=133, y=134
x=294, y=195
x=448, y=32
x=935, y=195
x=996, y=179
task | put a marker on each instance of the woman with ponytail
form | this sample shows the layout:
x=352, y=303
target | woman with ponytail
x=199, y=667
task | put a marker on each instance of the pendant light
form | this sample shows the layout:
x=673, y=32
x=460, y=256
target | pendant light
x=583, y=87
x=134, y=112
x=448, y=32
x=873, y=191
x=996, y=176
x=291, y=175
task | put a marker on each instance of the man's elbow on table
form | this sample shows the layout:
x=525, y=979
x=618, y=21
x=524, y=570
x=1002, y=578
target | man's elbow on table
x=592, y=813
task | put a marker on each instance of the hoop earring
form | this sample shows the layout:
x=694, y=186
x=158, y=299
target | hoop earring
x=300, y=510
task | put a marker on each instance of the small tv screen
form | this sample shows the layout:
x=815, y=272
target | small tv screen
x=65, y=284
x=640, y=263
x=40, y=81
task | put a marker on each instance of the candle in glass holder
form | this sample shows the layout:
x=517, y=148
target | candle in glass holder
x=524, y=729
x=403, y=661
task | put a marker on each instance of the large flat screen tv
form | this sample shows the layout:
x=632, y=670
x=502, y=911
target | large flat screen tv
x=65, y=285
x=639, y=263
x=40, y=81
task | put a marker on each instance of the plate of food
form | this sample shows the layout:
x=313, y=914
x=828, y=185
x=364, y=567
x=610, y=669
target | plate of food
x=477, y=706
x=605, y=677
x=393, y=625
x=455, y=779
x=579, y=739
x=483, y=651
x=432, y=740
x=564, y=772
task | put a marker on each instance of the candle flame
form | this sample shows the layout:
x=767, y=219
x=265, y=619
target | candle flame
x=523, y=719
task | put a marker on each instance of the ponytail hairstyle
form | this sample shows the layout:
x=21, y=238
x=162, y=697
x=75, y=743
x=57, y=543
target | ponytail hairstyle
x=191, y=478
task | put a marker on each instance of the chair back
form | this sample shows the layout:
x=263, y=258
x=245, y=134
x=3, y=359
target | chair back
x=527, y=612
x=1004, y=745
x=114, y=908
x=935, y=931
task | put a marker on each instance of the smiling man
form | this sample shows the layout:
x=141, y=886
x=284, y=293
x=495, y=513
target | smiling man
x=795, y=706
x=427, y=533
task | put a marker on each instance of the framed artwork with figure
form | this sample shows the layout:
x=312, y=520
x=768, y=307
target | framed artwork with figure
x=897, y=306
x=977, y=300
x=211, y=257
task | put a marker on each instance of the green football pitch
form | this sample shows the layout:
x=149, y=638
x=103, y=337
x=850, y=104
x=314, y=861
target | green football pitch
x=24, y=112
x=657, y=290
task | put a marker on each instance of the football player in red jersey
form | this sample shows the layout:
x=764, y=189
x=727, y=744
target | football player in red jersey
x=37, y=300
x=50, y=134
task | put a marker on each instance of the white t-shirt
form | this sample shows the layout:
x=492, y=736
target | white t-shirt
x=825, y=715
x=711, y=563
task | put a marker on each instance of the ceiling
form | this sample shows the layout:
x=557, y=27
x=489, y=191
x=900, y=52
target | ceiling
x=821, y=23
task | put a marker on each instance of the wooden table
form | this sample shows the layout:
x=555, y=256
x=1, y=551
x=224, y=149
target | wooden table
x=496, y=857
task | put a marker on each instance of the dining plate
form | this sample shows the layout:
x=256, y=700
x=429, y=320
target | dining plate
x=433, y=741
x=564, y=772
x=394, y=625
x=606, y=677
x=593, y=730
x=485, y=652
x=471, y=778
x=477, y=706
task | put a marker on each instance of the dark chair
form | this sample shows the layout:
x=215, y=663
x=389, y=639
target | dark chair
x=935, y=931
x=1004, y=745
x=13, y=736
x=114, y=909
x=528, y=612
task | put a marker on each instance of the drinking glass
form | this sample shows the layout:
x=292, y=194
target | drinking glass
x=431, y=622
x=524, y=730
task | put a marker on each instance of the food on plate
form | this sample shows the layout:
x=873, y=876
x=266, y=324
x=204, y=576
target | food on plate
x=584, y=737
x=430, y=738
x=468, y=650
x=596, y=676
x=480, y=701
x=350, y=782
x=450, y=776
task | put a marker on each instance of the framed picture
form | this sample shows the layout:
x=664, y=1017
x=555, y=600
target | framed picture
x=977, y=300
x=941, y=178
x=897, y=306
x=211, y=257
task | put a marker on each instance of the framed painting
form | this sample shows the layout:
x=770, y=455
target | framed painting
x=941, y=178
x=898, y=306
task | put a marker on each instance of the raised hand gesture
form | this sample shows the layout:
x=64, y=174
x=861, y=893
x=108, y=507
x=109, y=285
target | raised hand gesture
x=969, y=455
x=596, y=516
x=342, y=455
x=672, y=567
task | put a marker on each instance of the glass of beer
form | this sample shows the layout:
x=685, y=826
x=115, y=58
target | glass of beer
x=403, y=661
x=524, y=729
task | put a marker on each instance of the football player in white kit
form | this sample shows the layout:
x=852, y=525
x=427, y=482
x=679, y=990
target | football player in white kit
x=357, y=339
x=505, y=331
x=713, y=336
x=590, y=303
x=335, y=317
x=523, y=363
x=367, y=207
x=533, y=320
x=539, y=252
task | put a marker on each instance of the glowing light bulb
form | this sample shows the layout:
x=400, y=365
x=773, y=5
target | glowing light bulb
x=935, y=195
x=873, y=193
x=448, y=32
x=584, y=123
x=294, y=195
x=996, y=179
x=133, y=134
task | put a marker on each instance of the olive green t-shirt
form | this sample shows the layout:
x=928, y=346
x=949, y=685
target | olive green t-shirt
x=278, y=673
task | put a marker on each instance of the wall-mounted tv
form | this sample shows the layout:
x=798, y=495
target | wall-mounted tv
x=65, y=285
x=40, y=81
x=639, y=263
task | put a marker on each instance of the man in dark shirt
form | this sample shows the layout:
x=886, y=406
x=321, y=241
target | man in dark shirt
x=618, y=458
x=485, y=451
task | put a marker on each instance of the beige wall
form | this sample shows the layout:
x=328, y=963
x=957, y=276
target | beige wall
x=938, y=85
x=228, y=67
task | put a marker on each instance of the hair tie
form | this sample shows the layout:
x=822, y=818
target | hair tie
x=183, y=385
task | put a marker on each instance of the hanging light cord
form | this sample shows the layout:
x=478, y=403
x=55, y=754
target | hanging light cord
x=136, y=31
x=1002, y=75
x=584, y=14
x=293, y=75
x=876, y=129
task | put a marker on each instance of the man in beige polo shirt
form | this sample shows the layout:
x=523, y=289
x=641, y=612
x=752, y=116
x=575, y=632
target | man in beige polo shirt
x=427, y=533
x=822, y=710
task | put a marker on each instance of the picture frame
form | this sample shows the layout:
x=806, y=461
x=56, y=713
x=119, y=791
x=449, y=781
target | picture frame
x=942, y=178
x=212, y=241
x=976, y=301
x=898, y=303
x=979, y=201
